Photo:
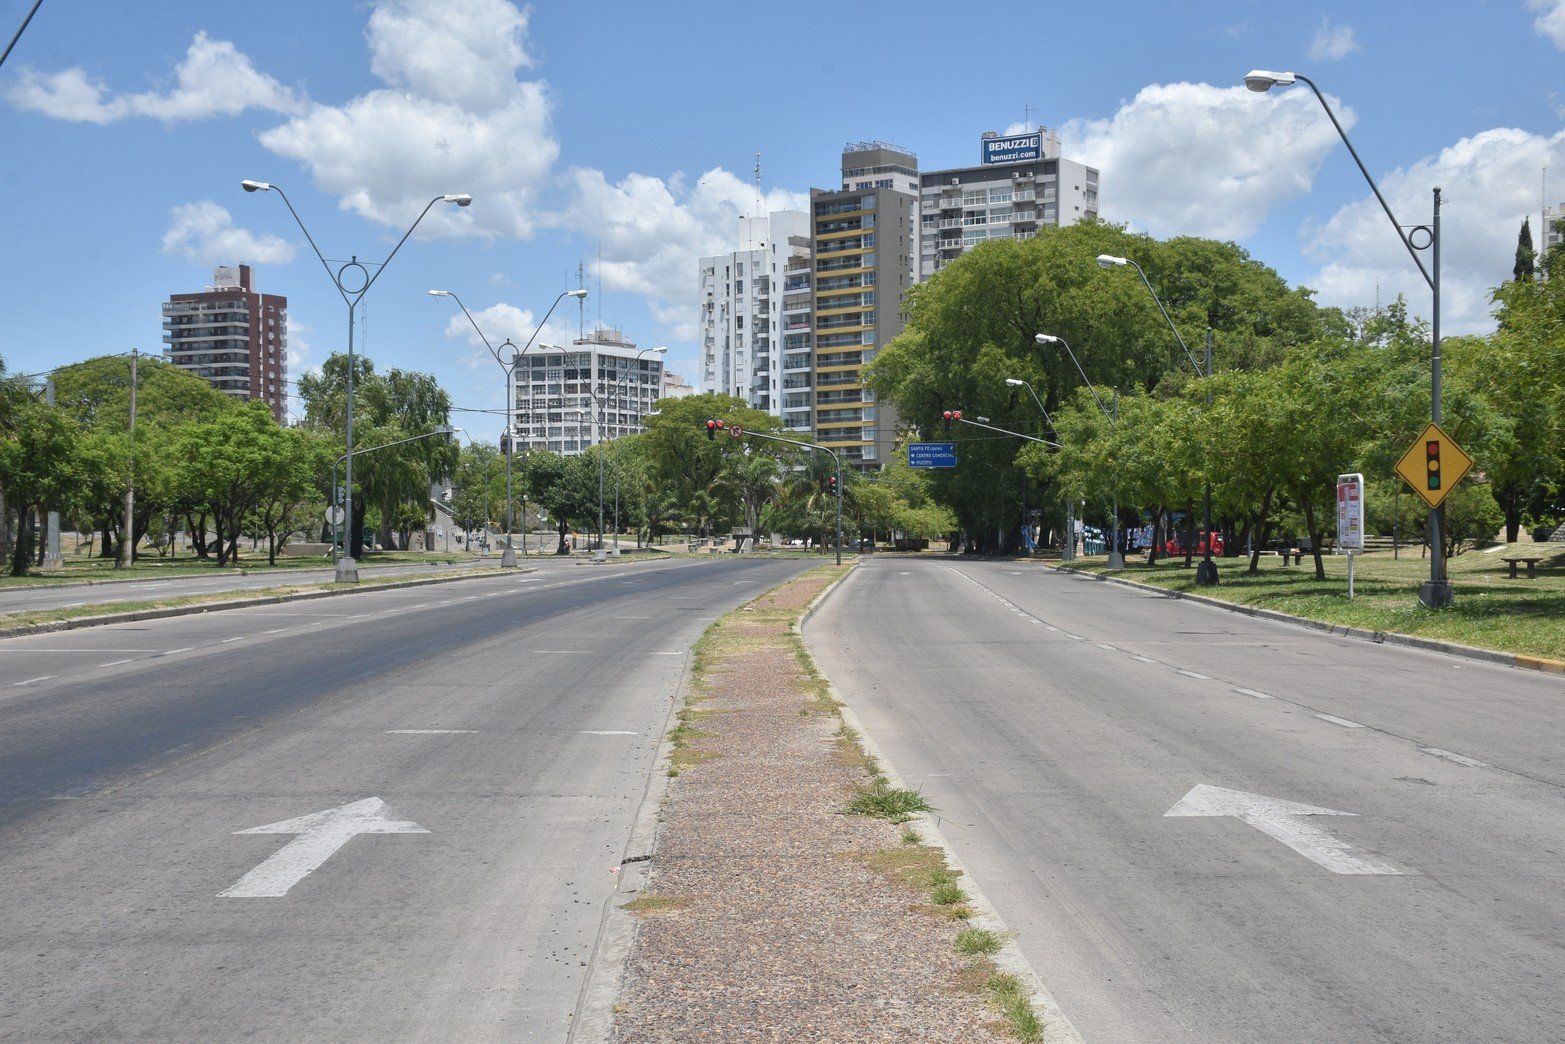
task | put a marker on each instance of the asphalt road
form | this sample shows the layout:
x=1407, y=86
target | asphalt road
x=146, y=589
x=467, y=761
x=1057, y=721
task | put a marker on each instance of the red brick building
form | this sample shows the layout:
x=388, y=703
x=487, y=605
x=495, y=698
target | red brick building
x=234, y=337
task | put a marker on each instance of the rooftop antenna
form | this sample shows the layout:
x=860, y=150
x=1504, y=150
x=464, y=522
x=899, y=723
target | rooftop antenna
x=1026, y=117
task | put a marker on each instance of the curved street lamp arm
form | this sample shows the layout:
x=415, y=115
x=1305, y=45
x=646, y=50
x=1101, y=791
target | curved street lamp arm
x=539, y=329
x=1084, y=379
x=1373, y=187
x=1166, y=318
x=20, y=30
x=1046, y=418
x=476, y=328
x=394, y=249
x=311, y=240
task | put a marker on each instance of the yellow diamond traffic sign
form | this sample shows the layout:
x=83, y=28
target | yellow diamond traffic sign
x=1433, y=465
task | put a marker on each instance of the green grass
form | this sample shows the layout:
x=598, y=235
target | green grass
x=882, y=801
x=970, y=942
x=42, y=616
x=1490, y=610
x=80, y=568
x=1008, y=994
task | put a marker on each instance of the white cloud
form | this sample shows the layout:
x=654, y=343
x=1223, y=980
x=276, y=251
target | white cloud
x=1489, y=184
x=213, y=80
x=652, y=232
x=204, y=232
x=1332, y=43
x=300, y=351
x=455, y=119
x=1550, y=21
x=1193, y=159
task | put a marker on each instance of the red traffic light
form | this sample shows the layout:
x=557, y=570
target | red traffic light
x=947, y=414
x=956, y=414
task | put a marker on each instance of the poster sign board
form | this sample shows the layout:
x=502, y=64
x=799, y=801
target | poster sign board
x=1015, y=149
x=931, y=454
x=1350, y=512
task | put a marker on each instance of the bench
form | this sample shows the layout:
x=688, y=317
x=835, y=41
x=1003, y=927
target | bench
x=1532, y=565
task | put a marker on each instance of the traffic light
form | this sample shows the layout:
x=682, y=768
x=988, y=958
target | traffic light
x=505, y=443
x=946, y=418
x=711, y=429
x=1432, y=452
x=831, y=485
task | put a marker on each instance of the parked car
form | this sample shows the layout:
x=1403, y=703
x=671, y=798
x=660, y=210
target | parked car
x=1175, y=544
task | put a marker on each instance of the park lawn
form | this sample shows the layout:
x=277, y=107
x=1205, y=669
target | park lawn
x=1490, y=610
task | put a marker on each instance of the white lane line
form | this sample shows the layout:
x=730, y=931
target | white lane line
x=29, y=681
x=738, y=582
x=1257, y=695
x=171, y=652
x=1053, y=628
x=557, y=652
x=677, y=652
x=630, y=618
x=1451, y=755
x=420, y=605
x=113, y=663
x=1193, y=674
x=275, y=630
x=1074, y=637
x=431, y=732
x=607, y=732
x=225, y=641
x=1144, y=659
x=88, y=650
x=1109, y=648
x=1344, y=722
x=73, y=605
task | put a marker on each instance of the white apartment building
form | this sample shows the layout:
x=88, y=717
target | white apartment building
x=1020, y=185
x=1550, y=236
x=741, y=310
x=599, y=388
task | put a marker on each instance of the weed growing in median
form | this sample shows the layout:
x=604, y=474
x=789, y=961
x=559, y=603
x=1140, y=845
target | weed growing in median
x=971, y=942
x=883, y=801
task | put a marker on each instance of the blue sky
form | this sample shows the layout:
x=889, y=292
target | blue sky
x=622, y=137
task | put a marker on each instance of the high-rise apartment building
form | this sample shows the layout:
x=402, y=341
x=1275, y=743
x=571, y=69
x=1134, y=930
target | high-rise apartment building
x=1551, y=235
x=598, y=389
x=232, y=336
x=864, y=238
x=741, y=306
x=1020, y=185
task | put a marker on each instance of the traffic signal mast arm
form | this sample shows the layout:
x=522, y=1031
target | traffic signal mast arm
x=957, y=416
x=713, y=426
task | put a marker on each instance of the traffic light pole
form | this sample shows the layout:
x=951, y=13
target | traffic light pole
x=815, y=449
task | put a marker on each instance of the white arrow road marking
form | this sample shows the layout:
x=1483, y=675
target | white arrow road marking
x=1278, y=819
x=320, y=835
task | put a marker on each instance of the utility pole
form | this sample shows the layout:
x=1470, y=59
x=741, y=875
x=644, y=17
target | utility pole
x=128, y=533
x=51, y=556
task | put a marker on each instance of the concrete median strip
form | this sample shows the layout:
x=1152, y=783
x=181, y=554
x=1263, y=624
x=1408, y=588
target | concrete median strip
x=220, y=604
x=759, y=905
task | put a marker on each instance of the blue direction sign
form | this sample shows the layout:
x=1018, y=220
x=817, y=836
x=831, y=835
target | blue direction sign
x=931, y=454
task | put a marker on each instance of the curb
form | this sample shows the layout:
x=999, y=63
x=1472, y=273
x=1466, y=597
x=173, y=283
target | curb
x=135, y=615
x=1470, y=652
x=1058, y=1028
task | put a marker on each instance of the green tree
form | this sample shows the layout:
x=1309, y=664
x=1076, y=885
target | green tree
x=232, y=464
x=39, y=465
x=1524, y=269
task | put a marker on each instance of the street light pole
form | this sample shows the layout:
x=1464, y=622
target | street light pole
x=1206, y=572
x=1435, y=593
x=1116, y=560
x=1068, y=553
x=508, y=556
x=352, y=280
x=618, y=391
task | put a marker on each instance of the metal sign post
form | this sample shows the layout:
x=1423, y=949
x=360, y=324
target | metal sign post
x=1350, y=519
